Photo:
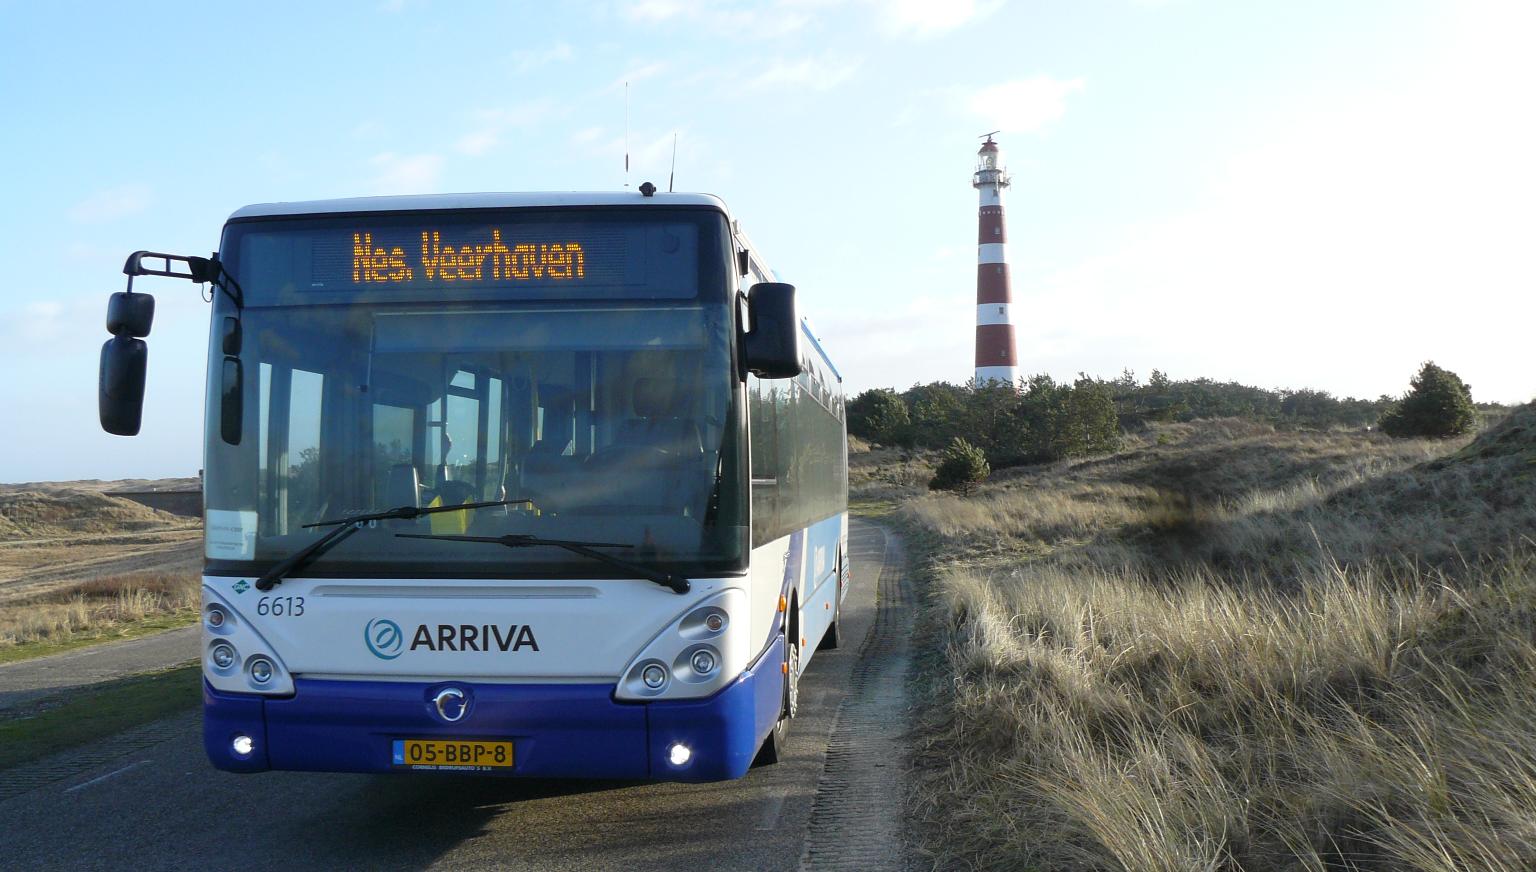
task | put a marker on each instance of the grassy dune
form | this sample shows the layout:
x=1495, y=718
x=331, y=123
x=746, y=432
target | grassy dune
x=1233, y=648
x=62, y=511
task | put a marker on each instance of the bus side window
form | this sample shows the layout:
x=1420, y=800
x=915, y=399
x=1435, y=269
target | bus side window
x=763, y=421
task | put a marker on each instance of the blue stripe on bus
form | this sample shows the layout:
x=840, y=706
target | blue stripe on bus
x=558, y=731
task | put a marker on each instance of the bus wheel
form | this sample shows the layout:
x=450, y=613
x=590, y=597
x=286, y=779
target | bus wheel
x=774, y=748
x=834, y=635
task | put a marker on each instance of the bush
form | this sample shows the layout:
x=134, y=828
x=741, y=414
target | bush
x=1439, y=405
x=879, y=415
x=964, y=467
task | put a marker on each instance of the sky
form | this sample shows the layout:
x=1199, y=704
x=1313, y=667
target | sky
x=1286, y=193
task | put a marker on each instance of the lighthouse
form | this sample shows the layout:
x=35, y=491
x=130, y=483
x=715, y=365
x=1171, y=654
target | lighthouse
x=996, y=359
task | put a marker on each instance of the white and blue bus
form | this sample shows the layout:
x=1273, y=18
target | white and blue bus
x=537, y=485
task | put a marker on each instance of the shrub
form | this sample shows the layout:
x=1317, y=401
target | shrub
x=879, y=415
x=1088, y=424
x=964, y=467
x=1439, y=405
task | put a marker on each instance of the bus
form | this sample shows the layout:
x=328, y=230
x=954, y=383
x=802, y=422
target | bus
x=545, y=485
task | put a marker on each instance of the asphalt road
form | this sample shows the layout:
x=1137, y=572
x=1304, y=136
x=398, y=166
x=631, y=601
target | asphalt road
x=27, y=680
x=159, y=805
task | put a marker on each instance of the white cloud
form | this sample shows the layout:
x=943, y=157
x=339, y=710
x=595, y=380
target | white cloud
x=899, y=345
x=527, y=60
x=1023, y=105
x=477, y=142
x=819, y=74
x=637, y=73
x=736, y=18
x=925, y=18
x=406, y=173
x=492, y=124
x=657, y=10
x=1362, y=238
x=650, y=154
x=112, y=204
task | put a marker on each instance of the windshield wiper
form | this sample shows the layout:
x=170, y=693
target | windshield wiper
x=347, y=526
x=512, y=540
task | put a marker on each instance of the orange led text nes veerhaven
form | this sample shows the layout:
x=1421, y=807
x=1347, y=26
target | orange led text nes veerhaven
x=467, y=262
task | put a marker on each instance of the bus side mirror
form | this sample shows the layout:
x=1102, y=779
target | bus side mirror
x=772, y=348
x=120, y=391
x=130, y=314
x=120, y=385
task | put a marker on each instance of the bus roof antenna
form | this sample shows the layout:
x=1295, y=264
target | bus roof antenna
x=672, y=175
x=626, y=134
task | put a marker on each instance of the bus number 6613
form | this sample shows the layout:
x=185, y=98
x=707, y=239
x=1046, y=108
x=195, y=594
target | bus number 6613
x=280, y=606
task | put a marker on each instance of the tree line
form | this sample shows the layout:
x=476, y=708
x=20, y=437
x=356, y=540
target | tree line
x=1049, y=420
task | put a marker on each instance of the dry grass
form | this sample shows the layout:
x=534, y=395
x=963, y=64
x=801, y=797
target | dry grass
x=1238, y=649
x=886, y=474
x=97, y=606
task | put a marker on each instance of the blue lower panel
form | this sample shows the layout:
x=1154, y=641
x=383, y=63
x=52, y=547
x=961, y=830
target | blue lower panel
x=558, y=731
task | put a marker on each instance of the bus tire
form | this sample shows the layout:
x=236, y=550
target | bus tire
x=834, y=635
x=776, y=745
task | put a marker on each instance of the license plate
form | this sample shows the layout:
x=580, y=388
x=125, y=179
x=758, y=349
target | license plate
x=452, y=754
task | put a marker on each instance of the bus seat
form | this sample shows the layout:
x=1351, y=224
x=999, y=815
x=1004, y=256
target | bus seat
x=659, y=426
x=451, y=493
x=402, y=487
x=546, y=474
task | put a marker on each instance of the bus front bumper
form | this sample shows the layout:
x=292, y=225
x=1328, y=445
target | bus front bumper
x=557, y=730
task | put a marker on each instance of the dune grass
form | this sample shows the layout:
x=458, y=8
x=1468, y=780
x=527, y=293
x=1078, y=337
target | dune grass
x=1231, y=648
x=97, y=610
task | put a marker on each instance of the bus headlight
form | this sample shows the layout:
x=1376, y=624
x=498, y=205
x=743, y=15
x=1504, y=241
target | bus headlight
x=261, y=670
x=701, y=651
x=222, y=655
x=237, y=658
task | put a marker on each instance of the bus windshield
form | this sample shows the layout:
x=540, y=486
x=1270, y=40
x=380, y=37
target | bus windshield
x=616, y=418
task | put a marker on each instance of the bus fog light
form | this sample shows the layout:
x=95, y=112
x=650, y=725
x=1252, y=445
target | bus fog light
x=654, y=676
x=679, y=754
x=703, y=662
x=223, y=655
x=216, y=617
x=243, y=745
x=261, y=670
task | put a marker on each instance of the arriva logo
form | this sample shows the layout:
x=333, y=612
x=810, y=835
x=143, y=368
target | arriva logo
x=384, y=638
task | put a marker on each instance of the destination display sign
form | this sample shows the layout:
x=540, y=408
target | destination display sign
x=373, y=262
x=468, y=257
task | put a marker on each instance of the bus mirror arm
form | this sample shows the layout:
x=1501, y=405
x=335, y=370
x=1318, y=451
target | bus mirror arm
x=202, y=270
x=772, y=349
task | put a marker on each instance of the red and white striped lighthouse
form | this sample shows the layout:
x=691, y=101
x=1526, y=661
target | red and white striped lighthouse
x=996, y=359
